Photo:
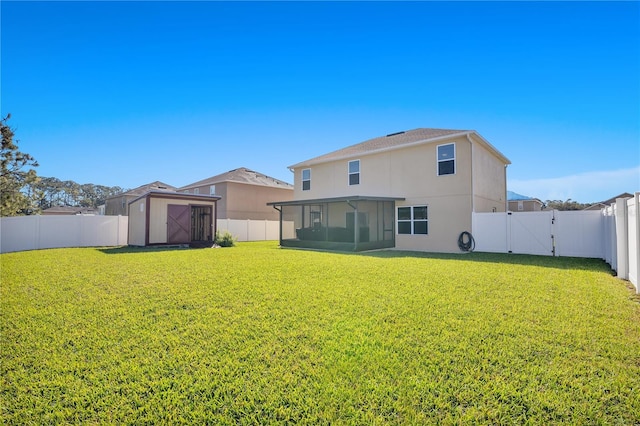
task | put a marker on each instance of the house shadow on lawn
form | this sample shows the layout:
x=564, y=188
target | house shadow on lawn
x=579, y=263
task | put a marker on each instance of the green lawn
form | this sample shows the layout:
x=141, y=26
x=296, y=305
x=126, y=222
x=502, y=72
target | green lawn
x=258, y=335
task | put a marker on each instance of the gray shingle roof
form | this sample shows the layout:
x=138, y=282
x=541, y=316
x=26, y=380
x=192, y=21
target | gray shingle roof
x=241, y=175
x=157, y=185
x=391, y=141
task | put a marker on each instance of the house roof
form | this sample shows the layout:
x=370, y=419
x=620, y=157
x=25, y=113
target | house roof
x=142, y=189
x=512, y=196
x=241, y=175
x=69, y=210
x=399, y=140
x=607, y=203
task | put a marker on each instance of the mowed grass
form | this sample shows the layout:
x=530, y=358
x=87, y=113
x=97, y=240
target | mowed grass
x=260, y=335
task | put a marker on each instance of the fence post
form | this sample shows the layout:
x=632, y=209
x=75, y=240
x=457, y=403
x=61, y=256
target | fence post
x=636, y=202
x=622, y=247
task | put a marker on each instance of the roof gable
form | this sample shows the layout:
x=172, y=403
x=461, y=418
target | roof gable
x=396, y=141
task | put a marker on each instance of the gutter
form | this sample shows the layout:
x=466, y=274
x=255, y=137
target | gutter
x=473, y=207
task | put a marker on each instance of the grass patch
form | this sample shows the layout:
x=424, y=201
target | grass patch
x=257, y=334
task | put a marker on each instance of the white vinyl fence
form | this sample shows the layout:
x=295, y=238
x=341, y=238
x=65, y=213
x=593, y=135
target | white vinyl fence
x=250, y=230
x=612, y=234
x=547, y=233
x=40, y=232
x=622, y=237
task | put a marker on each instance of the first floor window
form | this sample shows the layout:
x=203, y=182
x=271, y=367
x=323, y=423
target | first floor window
x=306, y=179
x=413, y=220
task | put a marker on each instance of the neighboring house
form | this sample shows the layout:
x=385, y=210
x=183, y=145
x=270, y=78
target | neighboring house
x=413, y=190
x=117, y=205
x=522, y=203
x=68, y=210
x=245, y=193
x=166, y=218
x=607, y=203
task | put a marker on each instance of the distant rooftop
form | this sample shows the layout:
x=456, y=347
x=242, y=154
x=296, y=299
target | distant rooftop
x=142, y=189
x=512, y=196
x=241, y=175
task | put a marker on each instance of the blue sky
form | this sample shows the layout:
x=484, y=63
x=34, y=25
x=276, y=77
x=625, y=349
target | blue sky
x=126, y=93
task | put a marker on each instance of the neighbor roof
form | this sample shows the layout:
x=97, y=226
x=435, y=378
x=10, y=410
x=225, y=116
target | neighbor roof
x=241, y=175
x=395, y=141
x=142, y=189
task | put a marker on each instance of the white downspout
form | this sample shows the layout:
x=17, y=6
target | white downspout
x=473, y=207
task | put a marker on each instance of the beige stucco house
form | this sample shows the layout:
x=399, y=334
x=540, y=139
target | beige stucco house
x=413, y=190
x=168, y=218
x=118, y=205
x=522, y=203
x=244, y=193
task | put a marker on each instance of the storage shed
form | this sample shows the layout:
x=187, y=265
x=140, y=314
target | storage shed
x=169, y=218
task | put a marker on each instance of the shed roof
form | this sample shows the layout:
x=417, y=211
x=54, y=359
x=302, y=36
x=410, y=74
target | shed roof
x=241, y=175
x=177, y=196
x=396, y=141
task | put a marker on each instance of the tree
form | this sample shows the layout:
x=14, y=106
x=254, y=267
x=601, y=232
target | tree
x=565, y=205
x=16, y=196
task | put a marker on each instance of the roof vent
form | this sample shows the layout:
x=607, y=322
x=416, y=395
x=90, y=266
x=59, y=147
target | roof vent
x=393, y=134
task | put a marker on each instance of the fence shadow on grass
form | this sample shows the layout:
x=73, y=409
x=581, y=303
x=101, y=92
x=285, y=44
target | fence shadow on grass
x=504, y=258
x=153, y=249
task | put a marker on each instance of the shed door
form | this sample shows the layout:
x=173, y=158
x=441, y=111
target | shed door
x=178, y=224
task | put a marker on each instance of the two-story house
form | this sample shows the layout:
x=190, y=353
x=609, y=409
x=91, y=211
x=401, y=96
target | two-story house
x=244, y=193
x=413, y=190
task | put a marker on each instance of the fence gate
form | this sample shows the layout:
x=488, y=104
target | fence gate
x=531, y=232
x=546, y=233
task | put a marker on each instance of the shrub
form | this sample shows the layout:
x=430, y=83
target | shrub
x=225, y=239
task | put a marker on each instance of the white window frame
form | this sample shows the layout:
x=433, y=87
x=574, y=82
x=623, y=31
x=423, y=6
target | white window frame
x=349, y=172
x=212, y=190
x=438, y=160
x=196, y=191
x=412, y=220
x=306, y=180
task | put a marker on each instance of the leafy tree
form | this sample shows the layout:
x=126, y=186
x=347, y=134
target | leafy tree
x=54, y=192
x=17, y=197
x=565, y=205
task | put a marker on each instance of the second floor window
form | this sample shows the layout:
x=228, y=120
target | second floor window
x=212, y=190
x=446, y=159
x=354, y=172
x=306, y=179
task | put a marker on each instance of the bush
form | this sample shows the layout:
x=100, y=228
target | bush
x=225, y=239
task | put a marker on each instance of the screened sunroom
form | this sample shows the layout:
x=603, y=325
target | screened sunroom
x=344, y=223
